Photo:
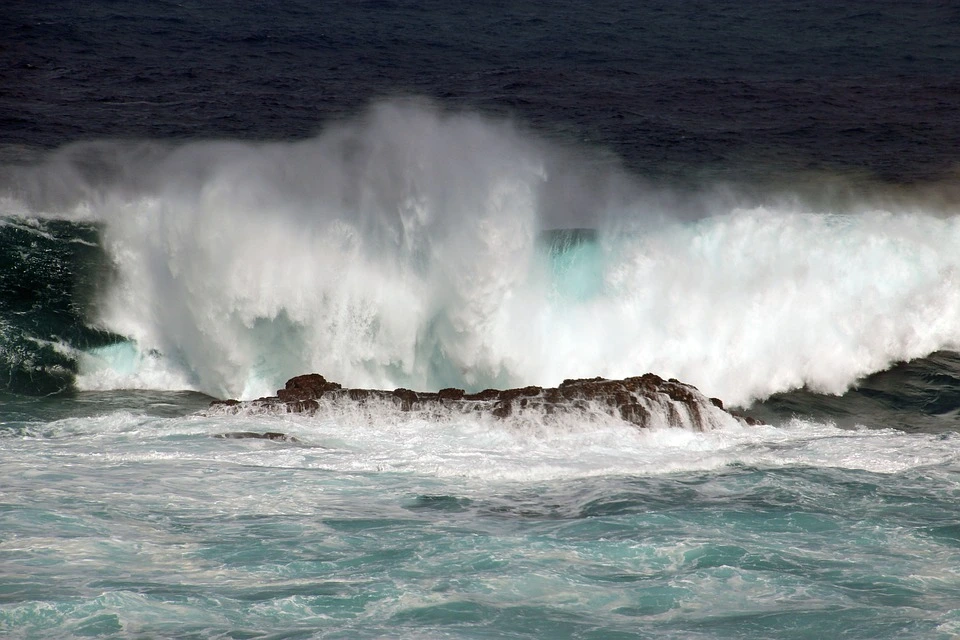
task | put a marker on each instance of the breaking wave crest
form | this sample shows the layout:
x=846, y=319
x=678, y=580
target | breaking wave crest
x=415, y=247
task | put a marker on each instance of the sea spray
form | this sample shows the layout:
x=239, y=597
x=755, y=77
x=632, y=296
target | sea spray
x=413, y=247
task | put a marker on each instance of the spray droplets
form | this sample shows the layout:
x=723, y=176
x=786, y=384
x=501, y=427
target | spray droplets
x=417, y=248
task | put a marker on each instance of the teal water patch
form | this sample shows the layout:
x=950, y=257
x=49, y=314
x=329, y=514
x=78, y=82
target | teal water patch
x=22, y=415
x=156, y=529
x=575, y=263
x=123, y=358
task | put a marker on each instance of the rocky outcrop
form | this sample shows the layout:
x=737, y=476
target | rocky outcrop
x=645, y=401
x=253, y=435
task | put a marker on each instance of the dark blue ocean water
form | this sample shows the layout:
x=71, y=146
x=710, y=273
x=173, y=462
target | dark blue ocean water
x=670, y=87
x=202, y=199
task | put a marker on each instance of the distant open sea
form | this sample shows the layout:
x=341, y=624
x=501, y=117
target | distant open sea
x=202, y=199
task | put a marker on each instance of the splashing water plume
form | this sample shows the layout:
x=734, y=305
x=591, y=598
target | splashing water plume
x=412, y=247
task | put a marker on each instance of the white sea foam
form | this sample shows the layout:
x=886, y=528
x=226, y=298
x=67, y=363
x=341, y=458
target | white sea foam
x=483, y=449
x=401, y=249
x=491, y=450
x=124, y=366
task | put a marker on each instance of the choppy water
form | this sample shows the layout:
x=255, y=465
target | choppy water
x=201, y=199
x=133, y=522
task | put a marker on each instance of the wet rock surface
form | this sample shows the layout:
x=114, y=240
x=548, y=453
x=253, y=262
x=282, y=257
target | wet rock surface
x=253, y=435
x=644, y=401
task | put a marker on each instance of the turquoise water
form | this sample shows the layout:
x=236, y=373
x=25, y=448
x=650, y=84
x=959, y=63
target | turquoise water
x=208, y=197
x=137, y=523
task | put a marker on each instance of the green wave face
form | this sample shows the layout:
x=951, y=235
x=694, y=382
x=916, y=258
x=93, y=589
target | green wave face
x=575, y=261
x=49, y=273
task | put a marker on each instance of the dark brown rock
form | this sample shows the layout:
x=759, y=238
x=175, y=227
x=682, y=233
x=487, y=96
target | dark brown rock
x=224, y=403
x=408, y=398
x=644, y=401
x=512, y=394
x=307, y=387
x=483, y=396
x=253, y=435
x=450, y=394
x=303, y=406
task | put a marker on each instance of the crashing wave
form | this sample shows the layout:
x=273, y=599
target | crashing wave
x=427, y=249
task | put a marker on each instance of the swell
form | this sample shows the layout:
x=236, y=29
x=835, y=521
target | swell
x=49, y=271
x=919, y=395
x=420, y=248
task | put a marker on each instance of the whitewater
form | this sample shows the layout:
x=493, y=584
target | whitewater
x=424, y=247
x=131, y=519
x=415, y=246
x=202, y=199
